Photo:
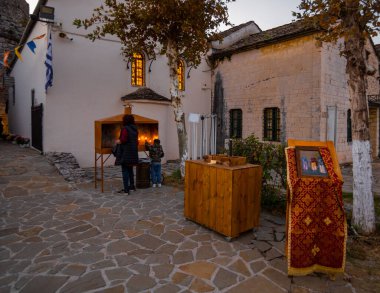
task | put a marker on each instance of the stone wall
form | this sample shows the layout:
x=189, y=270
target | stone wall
x=374, y=117
x=302, y=80
x=14, y=15
x=284, y=75
x=373, y=88
x=373, y=82
x=335, y=93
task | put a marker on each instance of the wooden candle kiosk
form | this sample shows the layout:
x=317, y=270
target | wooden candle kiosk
x=107, y=131
x=223, y=197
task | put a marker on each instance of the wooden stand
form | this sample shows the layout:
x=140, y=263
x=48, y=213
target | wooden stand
x=102, y=161
x=328, y=144
x=107, y=130
x=225, y=199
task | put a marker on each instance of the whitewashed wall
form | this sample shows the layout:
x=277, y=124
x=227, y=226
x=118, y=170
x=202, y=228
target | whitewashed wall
x=89, y=80
x=29, y=74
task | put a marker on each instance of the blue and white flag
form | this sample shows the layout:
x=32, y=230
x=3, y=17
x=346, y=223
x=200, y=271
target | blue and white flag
x=49, y=64
x=32, y=46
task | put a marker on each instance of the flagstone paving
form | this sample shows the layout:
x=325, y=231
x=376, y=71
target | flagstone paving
x=57, y=236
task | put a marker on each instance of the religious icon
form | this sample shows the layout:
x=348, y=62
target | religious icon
x=321, y=165
x=310, y=162
x=313, y=164
x=305, y=163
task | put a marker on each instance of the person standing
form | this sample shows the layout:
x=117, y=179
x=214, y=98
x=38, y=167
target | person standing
x=155, y=154
x=128, y=155
x=1, y=127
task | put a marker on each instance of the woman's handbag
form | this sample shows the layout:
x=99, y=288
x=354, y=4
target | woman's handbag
x=116, y=151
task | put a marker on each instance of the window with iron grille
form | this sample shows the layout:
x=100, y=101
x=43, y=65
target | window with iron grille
x=181, y=75
x=236, y=121
x=272, y=122
x=349, y=126
x=138, y=70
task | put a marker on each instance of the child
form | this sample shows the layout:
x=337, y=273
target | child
x=155, y=154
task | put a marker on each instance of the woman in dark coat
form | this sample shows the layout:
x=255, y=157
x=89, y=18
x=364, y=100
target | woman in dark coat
x=128, y=155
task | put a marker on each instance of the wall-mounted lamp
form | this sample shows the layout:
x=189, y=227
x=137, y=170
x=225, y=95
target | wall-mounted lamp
x=64, y=36
x=46, y=14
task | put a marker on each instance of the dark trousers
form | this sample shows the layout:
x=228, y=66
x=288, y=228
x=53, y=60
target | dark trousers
x=128, y=177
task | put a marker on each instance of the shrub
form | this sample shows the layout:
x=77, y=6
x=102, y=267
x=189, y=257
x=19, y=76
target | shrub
x=19, y=140
x=272, y=159
x=10, y=137
x=174, y=179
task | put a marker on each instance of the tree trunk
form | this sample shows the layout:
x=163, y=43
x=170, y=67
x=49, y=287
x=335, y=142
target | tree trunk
x=363, y=214
x=176, y=100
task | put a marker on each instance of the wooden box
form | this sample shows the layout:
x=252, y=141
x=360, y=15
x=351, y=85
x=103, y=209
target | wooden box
x=223, y=198
x=226, y=160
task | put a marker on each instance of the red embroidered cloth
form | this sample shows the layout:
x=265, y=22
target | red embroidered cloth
x=316, y=223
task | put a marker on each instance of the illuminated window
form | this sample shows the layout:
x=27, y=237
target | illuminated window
x=272, y=121
x=349, y=126
x=236, y=117
x=181, y=75
x=138, y=69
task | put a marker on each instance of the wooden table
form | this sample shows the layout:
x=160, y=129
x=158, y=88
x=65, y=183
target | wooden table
x=224, y=199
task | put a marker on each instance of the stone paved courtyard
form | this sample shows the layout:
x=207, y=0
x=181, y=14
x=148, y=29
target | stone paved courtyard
x=57, y=236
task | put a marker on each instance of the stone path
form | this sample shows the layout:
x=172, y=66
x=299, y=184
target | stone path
x=57, y=236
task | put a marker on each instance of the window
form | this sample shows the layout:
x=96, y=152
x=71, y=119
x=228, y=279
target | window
x=236, y=118
x=272, y=121
x=181, y=75
x=349, y=126
x=137, y=71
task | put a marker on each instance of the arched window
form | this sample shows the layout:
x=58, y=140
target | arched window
x=349, y=126
x=181, y=75
x=138, y=70
x=272, y=124
x=236, y=121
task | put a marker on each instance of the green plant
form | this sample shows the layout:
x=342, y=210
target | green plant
x=19, y=140
x=272, y=159
x=10, y=137
x=174, y=179
x=176, y=174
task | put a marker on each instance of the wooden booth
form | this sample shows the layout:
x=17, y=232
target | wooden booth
x=107, y=131
x=316, y=227
x=223, y=193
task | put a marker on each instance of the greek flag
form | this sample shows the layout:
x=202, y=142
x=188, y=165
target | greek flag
x=49, y=64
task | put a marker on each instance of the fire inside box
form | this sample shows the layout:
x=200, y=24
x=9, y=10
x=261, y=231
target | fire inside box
x=107, y=131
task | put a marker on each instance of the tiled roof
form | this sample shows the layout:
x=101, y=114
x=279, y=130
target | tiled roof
x=226, y=33
x=274, y=35
x=144, y=93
